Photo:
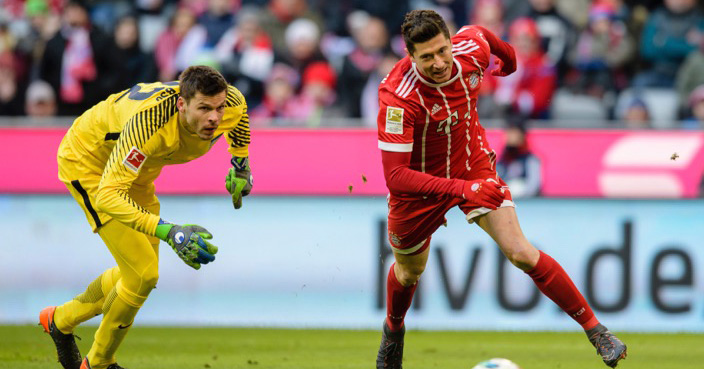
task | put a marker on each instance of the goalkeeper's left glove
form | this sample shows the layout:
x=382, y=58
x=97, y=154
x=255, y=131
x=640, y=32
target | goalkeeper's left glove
x=238, y=181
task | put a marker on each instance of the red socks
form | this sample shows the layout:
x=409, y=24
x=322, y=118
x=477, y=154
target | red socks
x=554, y=283
x=398, y=300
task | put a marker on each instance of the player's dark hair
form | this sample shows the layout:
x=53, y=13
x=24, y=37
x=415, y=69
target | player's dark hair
x=421, y=26
x=203, y=79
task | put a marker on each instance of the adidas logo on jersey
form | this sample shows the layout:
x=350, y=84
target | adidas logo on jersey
x=436, y=108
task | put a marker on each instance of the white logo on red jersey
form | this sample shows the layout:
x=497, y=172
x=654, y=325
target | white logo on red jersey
x=473, y=80
x=134, y=159
x=436, y=108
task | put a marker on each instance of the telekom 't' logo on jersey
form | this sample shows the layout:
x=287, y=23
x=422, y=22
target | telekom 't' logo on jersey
x=134, y=159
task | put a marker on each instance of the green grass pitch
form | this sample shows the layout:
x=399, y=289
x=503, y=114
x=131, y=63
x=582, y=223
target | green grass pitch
x=27, y=347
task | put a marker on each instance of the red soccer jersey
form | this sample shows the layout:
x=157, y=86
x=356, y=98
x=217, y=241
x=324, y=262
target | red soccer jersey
x=438, y=123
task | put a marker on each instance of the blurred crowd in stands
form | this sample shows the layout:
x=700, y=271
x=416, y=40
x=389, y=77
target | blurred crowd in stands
x=311, y=62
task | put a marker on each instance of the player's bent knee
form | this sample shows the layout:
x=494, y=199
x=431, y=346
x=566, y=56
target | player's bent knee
x=410, y=274
x=149, y=280
x=524, y=259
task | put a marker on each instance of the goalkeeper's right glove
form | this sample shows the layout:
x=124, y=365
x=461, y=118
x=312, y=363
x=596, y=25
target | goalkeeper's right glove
x=483, y=193
x=189, y=242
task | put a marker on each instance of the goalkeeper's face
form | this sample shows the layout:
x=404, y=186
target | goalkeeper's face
x=202, y=113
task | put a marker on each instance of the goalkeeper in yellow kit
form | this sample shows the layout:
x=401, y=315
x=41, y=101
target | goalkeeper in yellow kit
x=109, y=160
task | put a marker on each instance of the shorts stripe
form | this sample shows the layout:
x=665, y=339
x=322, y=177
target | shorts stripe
x=86, y=201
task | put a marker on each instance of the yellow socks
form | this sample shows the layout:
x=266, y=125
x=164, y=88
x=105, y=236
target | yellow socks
x=88, y=304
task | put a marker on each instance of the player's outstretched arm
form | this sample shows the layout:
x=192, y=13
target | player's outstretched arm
x=188, y=241
x=506, y=62
x=400, y=178
x=239, y=181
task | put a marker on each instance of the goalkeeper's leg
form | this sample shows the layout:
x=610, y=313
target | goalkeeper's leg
x=137, y=257
x=88, y=304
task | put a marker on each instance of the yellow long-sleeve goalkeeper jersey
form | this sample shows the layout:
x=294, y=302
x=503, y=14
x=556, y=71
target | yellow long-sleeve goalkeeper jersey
x=127, y=139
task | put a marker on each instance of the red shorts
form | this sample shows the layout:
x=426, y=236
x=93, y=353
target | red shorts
x=411, y=222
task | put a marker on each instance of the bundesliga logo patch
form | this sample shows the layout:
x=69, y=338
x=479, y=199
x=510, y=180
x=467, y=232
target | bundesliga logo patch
x=394, y=120
x=134, y=159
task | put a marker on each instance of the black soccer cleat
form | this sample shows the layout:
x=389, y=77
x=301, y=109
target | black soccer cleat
x=390, y=353
x=607, y=345
x=66, y=349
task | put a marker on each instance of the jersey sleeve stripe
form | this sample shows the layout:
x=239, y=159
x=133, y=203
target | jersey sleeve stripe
x=396, y=147
x=402, y=85
x=465, y=28
x=409, y=88
x=466, y=51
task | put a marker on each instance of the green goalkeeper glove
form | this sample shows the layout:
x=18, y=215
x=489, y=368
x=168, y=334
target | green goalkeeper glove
x=238, y=181
x=189, y=242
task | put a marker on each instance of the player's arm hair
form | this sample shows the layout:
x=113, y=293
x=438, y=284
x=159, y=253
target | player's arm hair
x=401, y=179
x=502, y=49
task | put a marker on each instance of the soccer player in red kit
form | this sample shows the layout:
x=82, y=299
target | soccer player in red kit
x=436, y=156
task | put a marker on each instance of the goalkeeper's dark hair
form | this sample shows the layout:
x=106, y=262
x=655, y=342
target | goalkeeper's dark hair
x=203, y=79
x=421, y=26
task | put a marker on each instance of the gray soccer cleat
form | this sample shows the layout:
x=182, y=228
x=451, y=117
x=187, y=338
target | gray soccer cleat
x=390, y=353
x=607, y=345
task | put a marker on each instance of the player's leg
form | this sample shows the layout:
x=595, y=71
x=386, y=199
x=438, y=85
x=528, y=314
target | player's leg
x=59, y=321
x=401, y=284
x=88, y=304
x=552, y=280
x=138, y=263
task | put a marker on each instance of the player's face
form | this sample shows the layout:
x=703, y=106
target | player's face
x=434, y=58
x=202, y=113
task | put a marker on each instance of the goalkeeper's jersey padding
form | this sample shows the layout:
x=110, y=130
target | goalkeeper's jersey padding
x=120, y=145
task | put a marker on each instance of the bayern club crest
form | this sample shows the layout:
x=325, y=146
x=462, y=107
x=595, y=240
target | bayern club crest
x=473, y=80
x=395, y=239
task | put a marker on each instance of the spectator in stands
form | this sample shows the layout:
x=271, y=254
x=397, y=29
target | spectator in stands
x=391, y=12
x=137, y=65
x=279, y=15
x=690, y=76
x=528, y=90
x=313, y=105
x=200, y=43
x=11, y=91
x=41, y=24
x=40, y=100
x=217, y=20
x=372, y=42
x=557, y=32
x=490, y=15
x=279, y=97
x=636, y=114
x=246, y=56
x=105, y=14
x=370, y=94
x=602, y=51
x=80, y=62
x=670, y=34
x=518, y=166
x=169, y=42
x=696, y=106
x=154, y=17
x=302, y=45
